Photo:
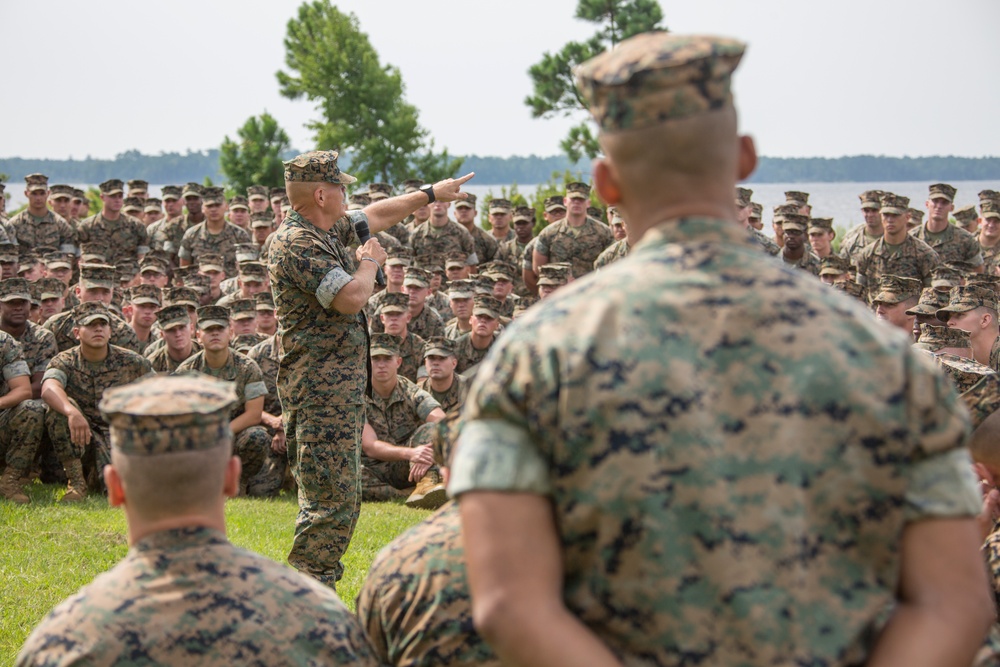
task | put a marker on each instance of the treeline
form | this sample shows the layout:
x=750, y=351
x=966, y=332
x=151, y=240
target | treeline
x=532, y=169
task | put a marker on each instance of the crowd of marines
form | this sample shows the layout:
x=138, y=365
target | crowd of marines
x=193, y=282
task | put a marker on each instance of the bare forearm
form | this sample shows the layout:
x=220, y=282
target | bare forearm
x=55, y=397
x=353, y=296
x=537, y=260
x=926, y=637
x=386, y=451
x=14, y=397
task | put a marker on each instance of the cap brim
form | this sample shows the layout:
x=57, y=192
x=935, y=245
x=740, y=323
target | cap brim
x=255, y=197
x=146, y=300
x=49, y=295
x=891, y=210
x=392, y=309
x=346, y=179
x=170, y=197
x=83, y=321
x=438, y=352
x=212, y=267
x=208, y=324
x=461, y=203
x=13, y=297
x=90, y=284
x=555, y=207
x=415, y=283
x=244, y=315
x=576, y=195
x=54, y=265
x=116, y=191
x=383, y=352
x=486, y=311
x=499, y=210
x=460, y=295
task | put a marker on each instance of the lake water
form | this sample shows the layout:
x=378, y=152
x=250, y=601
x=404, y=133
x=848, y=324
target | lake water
x=829, y=200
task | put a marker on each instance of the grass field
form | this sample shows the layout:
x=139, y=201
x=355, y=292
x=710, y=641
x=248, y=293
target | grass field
x=49, y=550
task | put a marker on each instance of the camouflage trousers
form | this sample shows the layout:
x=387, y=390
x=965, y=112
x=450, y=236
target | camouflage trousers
x=324, y=445
x=268, y=481
x=95, y=455
x=252, y=445
x=394, y=473
x=21, y=430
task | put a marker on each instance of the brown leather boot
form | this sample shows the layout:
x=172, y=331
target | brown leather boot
x=380, y=492
x=430, y=493
x=76, y=488
x=11, y=487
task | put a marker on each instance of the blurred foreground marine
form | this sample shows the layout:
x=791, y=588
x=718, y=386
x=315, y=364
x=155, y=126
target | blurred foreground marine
x=617, y=438
x=184, y=595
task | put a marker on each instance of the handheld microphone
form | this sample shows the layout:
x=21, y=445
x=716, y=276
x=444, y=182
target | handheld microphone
x=364, y=233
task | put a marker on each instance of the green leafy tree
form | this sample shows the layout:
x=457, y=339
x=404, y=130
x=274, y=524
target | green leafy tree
x=255, y=156
x=361, y=102
x=552, y=77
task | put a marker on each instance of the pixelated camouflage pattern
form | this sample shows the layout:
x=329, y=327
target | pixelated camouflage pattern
x=166, y=235
x=991, y=256
x=441, y=304
x=199, y=241
x=187, y=596
x=161, y=361
x=895, y=204
x=266, y=354
x=580, y=246
x=954, y=244
x=658, y=76
x=453, y=397
x=809, y=262
x=911, y=259
x=415, y=604
x=469, y=355
x=49, y=230
x=765, y=242
x=983, y=398
x=834, y=265
x=484, y=244
x=994, y=361
x=122, y=240
x=931, y=301
x=893, y=289
x=427, y=239
x=933, y=338
x=411, y=350
x=239, y=369
x=854, y=242
x=965, y=373
x=396, y=418
x=21, y=428
x=38, y=345
x=316, y=167
x=614, y=252
x=963, y=298
x=86, y=383
x=662, y=405
x=61, y=325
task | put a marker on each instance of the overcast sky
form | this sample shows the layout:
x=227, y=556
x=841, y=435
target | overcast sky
x=892, y=77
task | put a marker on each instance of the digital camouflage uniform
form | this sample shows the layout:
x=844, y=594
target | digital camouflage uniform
x=441, y=305
x=579, y=246
x=50, y=230
x=411, y=349
x=427, y=324
x=61, y=325
x=166, y=235
x=667, y=431
x=123, y=240
x=38, y=345
x=427, y=239
x=21, y=424
x=991, y=257
x=415, y=604
x=910, y=259
x=187, y=596
x=765, y=241
x=953, y=244
x=252, y=443
x=272, y=474
x=809, y=262
x=467, y=353
x=321, y=381
x=160, y=359
x=614, y=252
x=198, y=241
x=397, y=420
x=485, y=245
x=855, y=241
x=85, y=383
x=452, y=397
x=400, y=233
x=512, y=252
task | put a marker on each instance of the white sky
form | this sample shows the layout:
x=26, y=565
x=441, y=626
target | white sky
x=892, y=77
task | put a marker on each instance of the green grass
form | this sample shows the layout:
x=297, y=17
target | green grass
x=48, y=550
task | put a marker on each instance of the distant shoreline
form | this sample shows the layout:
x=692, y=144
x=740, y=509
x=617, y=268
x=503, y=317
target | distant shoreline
x=491, y=170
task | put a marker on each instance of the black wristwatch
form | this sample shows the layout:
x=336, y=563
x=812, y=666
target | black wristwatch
x=429, y=191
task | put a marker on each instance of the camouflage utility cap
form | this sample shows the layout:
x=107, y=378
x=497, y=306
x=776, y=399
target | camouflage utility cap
x=500, y=205
x=182, y=296
x=213, y=195
x=97, y=275
x=243, y=309
x=395, y=302
x=211, y=261
x=895, y=289
x=170, y=192
x=252, y=272
x=820, y=225
x=213, y=316
x=525, y=213
x=990, y=208
x=35, y=182
x=13, y=289
x=933, y=338
x=192, y=190
x=916, y=215
x=743, y=196
x=256, y=192
x=61, y=190
x=153, y=205
x=851, y=287
x=133, y=205
x=796, y=197
x=964, y=372
x=384, y=344
x=169, y=415
x=785, y=211
x=146, y=294
x=172, y=316
x=554, y=203
x=656, y=77
x=258, y=220
x=316, y=167
x=358, y=201
x=834, y=265
x=276, y=193
x=966, y=214
x=468, y=202
x=942, y=190
x=454, y=260
x=412, y=185
x=756, y=210
x=91, y=311
x=553, y=274
x=377, y=191
x=486, y=305
x=138, y=185
x=965, y=298
x=112, y=186
x=461, y=289
x=264, y=300
x=439, y=346
x=239, y=202
x=416, y=277
x=945, y=276
x=50, y=288
x=985, y=195
x=931, y=301
x=59, y=260
x=984, y=279
x=871, y=199
x=577, y=191
x=894, y=204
